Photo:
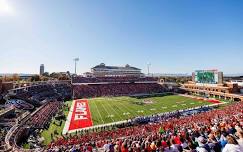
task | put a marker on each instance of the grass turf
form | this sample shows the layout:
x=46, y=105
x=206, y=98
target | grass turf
x=53, y=127
x=112, y=109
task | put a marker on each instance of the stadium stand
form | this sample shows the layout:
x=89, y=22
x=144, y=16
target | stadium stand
x=43, y=93
x=97, y=90
x=24, y=122
x=27, y=126
x=216, y=130
x=43, y=115
x=3, y=133
x=80, y=79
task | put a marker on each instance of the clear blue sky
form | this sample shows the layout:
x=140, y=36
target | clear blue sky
x=175, y=36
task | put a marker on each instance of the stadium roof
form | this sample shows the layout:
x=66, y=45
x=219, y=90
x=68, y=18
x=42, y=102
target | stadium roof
x=103, y=66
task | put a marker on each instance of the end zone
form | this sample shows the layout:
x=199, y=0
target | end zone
x=79, y=117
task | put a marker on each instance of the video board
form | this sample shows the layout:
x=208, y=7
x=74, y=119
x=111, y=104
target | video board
x=206, y=76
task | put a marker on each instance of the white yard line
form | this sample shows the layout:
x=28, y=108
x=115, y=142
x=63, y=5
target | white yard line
x=98, y=112
x=89, y=111
x=106, y=111
x=130, y=111
x=115, y=111
x=115, y=105
x=141, y=108
x=135, y=110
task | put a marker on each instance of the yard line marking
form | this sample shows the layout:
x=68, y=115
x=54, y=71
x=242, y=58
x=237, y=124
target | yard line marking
x=146, y=112
x=131, y=108
x=126, y=113
x=120, y=109
x=131, y=111
x=106, y=111
x=98, y=112
x=115, y=111
x=115, y=106
x=152, y=109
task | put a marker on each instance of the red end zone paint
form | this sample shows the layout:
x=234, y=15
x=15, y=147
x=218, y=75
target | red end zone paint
x=208, y=100
x=81, y=117
x=214, y=101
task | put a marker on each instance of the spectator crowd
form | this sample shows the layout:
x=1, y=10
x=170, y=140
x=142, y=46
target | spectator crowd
x=217, y=130
x=79, y=79
x=96, y=90
x=43, y=116
x=47, y=92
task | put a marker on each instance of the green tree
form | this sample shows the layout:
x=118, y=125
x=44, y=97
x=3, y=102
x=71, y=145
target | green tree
x=46, y=74
x=35, y=78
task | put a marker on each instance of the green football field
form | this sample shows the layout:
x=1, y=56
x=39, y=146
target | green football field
x=112, y=109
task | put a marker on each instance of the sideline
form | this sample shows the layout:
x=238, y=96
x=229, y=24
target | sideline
x=68, y=121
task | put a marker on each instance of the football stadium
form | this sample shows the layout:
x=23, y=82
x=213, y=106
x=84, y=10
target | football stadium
x=87, y=113
x=121, y=76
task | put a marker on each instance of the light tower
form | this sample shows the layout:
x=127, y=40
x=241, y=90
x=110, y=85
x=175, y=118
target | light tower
x=75, y=61
x=148, y=66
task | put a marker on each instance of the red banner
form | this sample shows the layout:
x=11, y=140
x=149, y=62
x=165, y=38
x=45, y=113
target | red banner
x=81, y=117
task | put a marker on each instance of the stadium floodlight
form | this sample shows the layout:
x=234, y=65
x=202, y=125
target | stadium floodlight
x=75, y=61
x=148, y=66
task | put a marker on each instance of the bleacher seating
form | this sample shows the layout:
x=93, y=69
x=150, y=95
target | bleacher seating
x=217, y=130
x=96, y=90
x=80, y=79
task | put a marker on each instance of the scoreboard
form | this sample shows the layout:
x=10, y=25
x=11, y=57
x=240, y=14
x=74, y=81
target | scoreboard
x=206, y=76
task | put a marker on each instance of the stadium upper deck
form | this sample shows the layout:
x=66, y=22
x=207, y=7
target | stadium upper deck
x=87, y=80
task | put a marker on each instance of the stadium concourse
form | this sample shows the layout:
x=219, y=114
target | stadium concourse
x=203, y=128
